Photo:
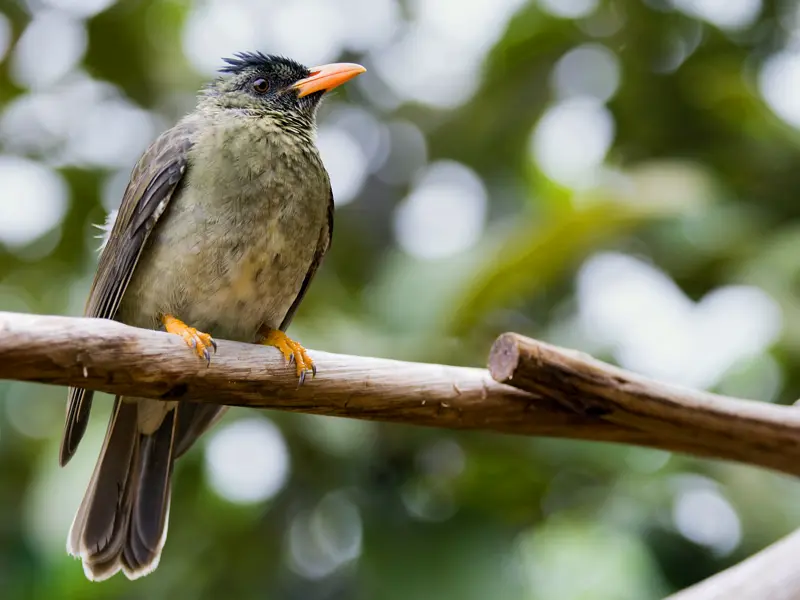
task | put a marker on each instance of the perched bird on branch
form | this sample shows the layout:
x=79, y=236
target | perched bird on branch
x=221, y=229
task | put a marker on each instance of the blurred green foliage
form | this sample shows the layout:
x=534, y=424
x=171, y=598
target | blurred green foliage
x=700, y=182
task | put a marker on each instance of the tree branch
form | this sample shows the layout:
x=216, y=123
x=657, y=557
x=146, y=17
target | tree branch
x=556, y=393
x=564, y=393
x=108, y=356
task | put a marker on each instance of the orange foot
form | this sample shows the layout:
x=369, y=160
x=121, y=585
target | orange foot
x=291, y=350
x=201, y=342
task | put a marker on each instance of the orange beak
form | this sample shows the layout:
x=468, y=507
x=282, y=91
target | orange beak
x=327, y=77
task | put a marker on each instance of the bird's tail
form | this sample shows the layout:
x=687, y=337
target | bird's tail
x=122, y=520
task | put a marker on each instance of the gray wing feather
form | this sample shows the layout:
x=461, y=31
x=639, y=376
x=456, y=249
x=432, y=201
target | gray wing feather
x=153, y=183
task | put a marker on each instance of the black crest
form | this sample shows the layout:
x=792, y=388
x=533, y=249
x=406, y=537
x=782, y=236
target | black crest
x=263, y=62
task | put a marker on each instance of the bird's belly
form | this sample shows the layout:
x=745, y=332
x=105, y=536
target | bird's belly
x=225, y=278
x=250, y=289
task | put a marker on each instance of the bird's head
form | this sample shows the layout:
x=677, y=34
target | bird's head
x=276, y=86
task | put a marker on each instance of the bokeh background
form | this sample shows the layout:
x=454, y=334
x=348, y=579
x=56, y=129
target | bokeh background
x=616, y=176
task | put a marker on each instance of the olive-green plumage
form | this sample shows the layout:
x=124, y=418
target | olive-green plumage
x=224, y=223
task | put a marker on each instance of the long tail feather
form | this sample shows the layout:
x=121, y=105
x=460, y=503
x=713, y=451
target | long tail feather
x=122, y=521
x=148, y=526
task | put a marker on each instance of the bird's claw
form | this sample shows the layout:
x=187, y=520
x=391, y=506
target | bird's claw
x=197, y=340
x=292, y=351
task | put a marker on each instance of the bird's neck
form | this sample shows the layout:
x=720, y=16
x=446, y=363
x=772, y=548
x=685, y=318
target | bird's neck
x=265, y=152
x=284, y=134
x=296, y=125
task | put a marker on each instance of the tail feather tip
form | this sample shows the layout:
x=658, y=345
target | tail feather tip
x=141, y=570
x=100, y=571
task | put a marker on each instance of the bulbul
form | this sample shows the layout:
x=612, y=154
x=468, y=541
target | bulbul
x=220, y=231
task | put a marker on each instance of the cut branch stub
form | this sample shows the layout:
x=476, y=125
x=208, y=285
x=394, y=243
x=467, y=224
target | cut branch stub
x=744, y=430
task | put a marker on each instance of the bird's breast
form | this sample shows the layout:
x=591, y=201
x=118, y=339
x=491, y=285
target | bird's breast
x=234, y=246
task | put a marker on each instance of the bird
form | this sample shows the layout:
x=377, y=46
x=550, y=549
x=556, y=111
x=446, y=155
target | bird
x=221, y=229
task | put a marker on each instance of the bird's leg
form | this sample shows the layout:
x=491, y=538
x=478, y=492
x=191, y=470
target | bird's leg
x=291, y=350
x=199, y=341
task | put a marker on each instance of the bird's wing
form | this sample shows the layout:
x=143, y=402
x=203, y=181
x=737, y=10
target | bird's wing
x=153, y=182
x=322, y=247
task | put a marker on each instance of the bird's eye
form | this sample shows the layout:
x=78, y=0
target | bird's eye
x=260, y=86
